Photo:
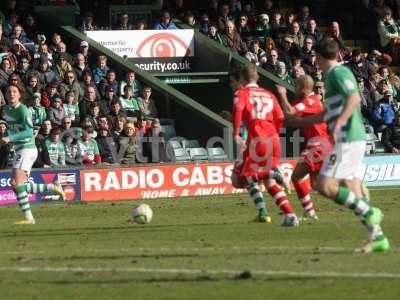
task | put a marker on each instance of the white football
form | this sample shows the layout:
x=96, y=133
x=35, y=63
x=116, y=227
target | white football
x=142, y=214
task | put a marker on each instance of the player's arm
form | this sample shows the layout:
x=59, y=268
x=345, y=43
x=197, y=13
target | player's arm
x=287, y=108
x=352, y=102
x=238, y=107
x=278, y=114
x=25, y=132
x=295, y=118
x=296, y=121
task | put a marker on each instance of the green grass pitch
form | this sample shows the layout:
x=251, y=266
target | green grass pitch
x=195, y=248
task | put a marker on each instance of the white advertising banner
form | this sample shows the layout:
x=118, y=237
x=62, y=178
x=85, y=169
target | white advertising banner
x=147, y=43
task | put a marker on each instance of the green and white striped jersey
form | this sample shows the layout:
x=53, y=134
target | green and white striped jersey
x=56, y=151
x=88, y=149
x=38, y=115
x=19, y=126
x=129, y=103
x=340, y=83
x=72, y=111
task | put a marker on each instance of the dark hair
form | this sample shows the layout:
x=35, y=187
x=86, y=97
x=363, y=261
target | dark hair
x=94, y=104
x=115, y=101
x=386, y=11
x=356, y=52
x=55, y=130
x=328, y=49
x=87, y=72
x=16, y=75
x=213, y=24
x=254, y=42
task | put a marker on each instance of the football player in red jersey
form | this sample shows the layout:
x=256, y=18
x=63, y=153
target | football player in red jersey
x=317, y=138
x=259, y=111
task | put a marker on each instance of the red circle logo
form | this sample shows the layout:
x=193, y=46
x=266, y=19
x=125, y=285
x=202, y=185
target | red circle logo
x=162, y=45
x=69, y=192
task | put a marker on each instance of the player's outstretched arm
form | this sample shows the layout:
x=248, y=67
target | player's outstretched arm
x=24, y=134
x=287, y=108
x=296, y=121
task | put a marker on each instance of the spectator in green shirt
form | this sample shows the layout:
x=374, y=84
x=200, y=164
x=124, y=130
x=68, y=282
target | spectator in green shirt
x=283, y=74
x=55, y=148
x=71, y=107
x=38, y=111
x=130, y=80
x=129, y=102
x=89, y=150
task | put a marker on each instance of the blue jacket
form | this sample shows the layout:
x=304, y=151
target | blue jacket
x=204, y=28
x=383, y=113
x=162, y=26
x=99, y=74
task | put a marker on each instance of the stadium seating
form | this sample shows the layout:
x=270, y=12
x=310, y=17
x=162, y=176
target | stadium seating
x=217, y=154
x=174, y=144
x=187, y=144
x=180, y=155
x=198, y=154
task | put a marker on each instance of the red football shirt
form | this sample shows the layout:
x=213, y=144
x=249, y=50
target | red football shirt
x=308, y=106
x=259, y=110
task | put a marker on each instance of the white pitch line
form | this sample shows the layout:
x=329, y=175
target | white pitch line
x=202, y=272
x=178, y=250
x=197, y=249
x=234, y=248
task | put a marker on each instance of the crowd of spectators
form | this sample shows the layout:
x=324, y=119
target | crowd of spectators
x=84, y=114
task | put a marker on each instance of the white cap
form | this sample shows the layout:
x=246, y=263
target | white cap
x=84, y=44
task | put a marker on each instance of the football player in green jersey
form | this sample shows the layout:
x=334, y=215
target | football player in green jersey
x=20, y=134
x=340, y=178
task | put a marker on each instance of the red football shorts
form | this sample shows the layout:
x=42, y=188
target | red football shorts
x=261, y=155
x=315, y=153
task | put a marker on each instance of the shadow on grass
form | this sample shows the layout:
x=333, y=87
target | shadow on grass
x=130, y=281
x=81, y=231
x=114, y=257
x=174, y=279
x=88, y=230
x=99, y=230
x=304, y=256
